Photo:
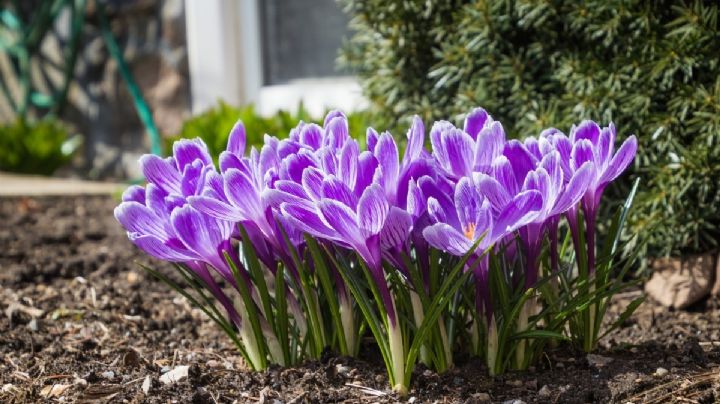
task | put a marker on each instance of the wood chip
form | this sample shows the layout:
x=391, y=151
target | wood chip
x=55, y=390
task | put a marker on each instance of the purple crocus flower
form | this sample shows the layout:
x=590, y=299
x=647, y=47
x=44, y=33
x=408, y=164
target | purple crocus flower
x=159, y=221
x=518, y=171
x=459, y=226
x=459, y=153
x=589, y=143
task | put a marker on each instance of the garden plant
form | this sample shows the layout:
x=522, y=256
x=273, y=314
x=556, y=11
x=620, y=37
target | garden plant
x=653, y=68
x=481, y=243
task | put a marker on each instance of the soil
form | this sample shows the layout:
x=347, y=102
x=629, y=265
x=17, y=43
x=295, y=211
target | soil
x=81, y=322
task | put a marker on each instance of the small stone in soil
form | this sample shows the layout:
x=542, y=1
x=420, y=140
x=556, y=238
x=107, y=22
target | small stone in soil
x=343, y=370
x=544, y=391
x=108, y=375
x=660, y=372
x=146, y=384
x=33, y=325
x=175, y=375
x=481, y=397
x=515, y=401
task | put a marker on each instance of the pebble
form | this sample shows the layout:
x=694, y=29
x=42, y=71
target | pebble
x=560, y=365
x=544, y=391
x=108, y=375
x=343, y=370
x=482, y=397
x=177, y=374
x=33, y=325
x=412, y=399
x=514, y=383
x=660, y=372
x=515, y=401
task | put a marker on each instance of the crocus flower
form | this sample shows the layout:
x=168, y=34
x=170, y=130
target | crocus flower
x=589, y=143
x=459, y=153
x=519, y=171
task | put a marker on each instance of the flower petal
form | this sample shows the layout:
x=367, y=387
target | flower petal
x=347, y=170
x=160, y=249
x=520, y=211
x=582, y=151
x=586, y=130
x=312, y=180
x=371, y=139
x=520, y=159
x=396, y=229
x=138, y=218
x=186, y=151
x=446, y=238
x=491, y=189
x=490, y=143
x=372, y=210
x=328, y=160
x=475, y=121
x=575, y=189
x=415, y=140
x=200, y=233
x=334, y=188
x=437, y=133
x=336, y=131
x=134, y=193
x=293, y=166
x=386, y=153
x=241, y=192
x=415, y=204
x=311, y=136
x=216, y=208
x=307, y=220
x=237, y=139
x=413, y=171
x=161, y=172
x=605, y=147
x=460, y=149
x=467, y=204
x=229, y=160
x=342, y=220
x=621, y=160
x=504, y=174
x=367, y=165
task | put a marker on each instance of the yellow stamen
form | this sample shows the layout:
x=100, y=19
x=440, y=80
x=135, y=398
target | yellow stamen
x=470, y=231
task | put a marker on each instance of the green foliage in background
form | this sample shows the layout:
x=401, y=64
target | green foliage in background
x=214, y=125
x=652, y=67
x=35, y=148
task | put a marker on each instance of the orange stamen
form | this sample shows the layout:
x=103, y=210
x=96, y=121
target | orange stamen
x=470, y=231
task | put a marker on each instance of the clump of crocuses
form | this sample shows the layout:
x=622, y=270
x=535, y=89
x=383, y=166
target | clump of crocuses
x=301, y=245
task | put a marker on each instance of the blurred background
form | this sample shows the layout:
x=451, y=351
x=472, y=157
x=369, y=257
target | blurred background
x=87, y=86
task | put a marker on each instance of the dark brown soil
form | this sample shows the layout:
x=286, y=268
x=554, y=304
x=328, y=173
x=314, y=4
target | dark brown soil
x=82, y=323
